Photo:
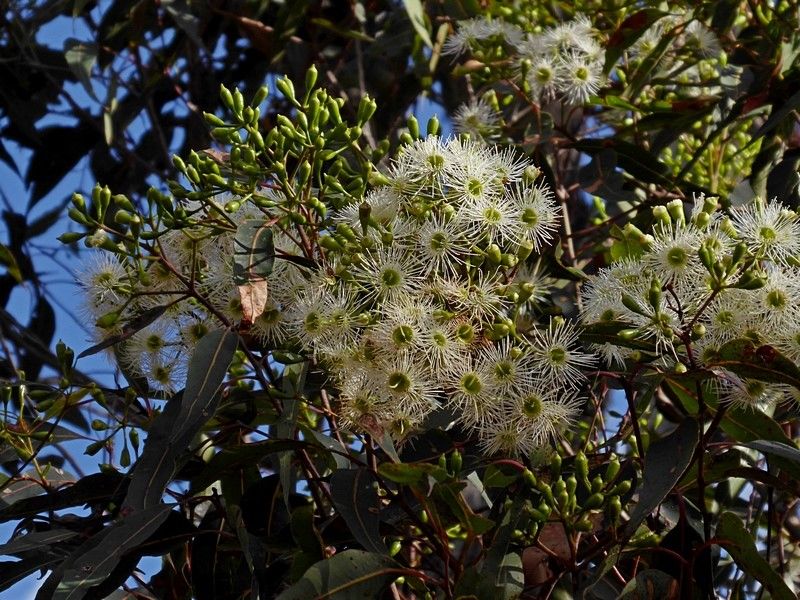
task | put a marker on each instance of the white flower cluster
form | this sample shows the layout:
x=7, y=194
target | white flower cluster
x=564, y=62
x=419, y=308
x=703, y=282
x=423, y=298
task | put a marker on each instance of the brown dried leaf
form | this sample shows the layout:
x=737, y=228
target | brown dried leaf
x=254, y=296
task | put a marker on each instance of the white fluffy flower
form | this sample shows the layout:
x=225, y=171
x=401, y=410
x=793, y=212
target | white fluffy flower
x=770, y=230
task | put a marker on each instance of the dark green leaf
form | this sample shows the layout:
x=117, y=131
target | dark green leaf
x=356, y=498
x=630, y=30
x=775, y=449
x=14, y=572
x=665, y=463
x=352, y=34
x=304, y=532
x=764, y=362
x=648, y=67
x=650, y=584
x=234, y=457
x=608, y=332
x=411, y=473
x=50, y=164
x=185, y=18
x=10, y=263
x=636, y=160
x=495, y=477
x=777, y=116
x=254, y=251
x=449, y=495
x=36, y=540
x=81, y=57
x=95, y=489
x=732, y=534
x=175, y=428
x=345, y=576
x=94, y=561
x=136, y=324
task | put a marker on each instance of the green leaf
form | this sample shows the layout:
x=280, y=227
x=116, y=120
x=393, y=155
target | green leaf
x=449, y=494
x=411, y=473
x=95, y=489
x=36, y=540
x=495, y=477
x=346, y=33
x=94, y=560
x=608, y=332
x=741, y=424
x=253, y=251
x=777, y=116
x=10, y=263
x=207, y=369
x=81, y=58
x=775, y=449
x=347, y=575
x=634, y=159
x=235, y=457
x=648, y=67
x=731, y=534
x=417, y=16
x=665, y=463
x=630, y=30
x=185, y=18
x=131, y=327
x=649, y=585
x=16, y=571
x=356, y=499
x=764, y=362
x=174, y=429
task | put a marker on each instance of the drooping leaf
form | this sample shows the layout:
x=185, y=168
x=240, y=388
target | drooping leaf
x=347, y=575
x=650, y=584
x=234, y=457
x=81, y=58
x=765, y=362
x=778, y=115
x=36, y=540
x=773, y=448
x=731, y=534
x=10, y=263
x=637, y=161
x=352, y=34
x=608, y=332
x=16, y=571
x=133, y=326
x=411, y=473
x=253, y=251
x=186, y=18
x=665, y=463
x=175, y=428
x=95, y=489
x=94, y=560
x=356, y=498
x=648, y=66
x=626, y=34
x=417, y=16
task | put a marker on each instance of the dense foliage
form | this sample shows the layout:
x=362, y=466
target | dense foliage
x=553, y=355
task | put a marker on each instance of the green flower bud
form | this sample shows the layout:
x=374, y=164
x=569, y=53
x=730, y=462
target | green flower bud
x=612, y=469
x=594, y=501
x=433, y=126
